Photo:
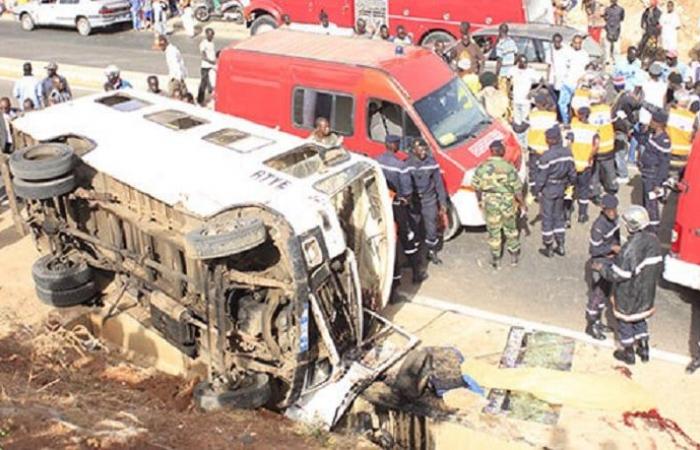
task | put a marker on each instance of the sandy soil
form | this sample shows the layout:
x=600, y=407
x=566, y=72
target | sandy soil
x=63, y=388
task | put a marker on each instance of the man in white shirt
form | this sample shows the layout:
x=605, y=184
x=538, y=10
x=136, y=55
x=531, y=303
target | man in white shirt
x=522, y=78
x=654, y=90
x=558, y=63
x=578, y=60
x=28, y=87
x=177, y=72
x=208, y=53
x=670, y=24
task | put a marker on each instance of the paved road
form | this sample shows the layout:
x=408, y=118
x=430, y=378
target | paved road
x=127, y=49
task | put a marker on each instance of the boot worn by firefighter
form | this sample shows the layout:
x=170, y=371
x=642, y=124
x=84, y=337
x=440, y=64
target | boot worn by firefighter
x=593, y=329
x=693, y=366
x=560, y=250
x=583, y=218
x=643, y=349
x=419, y=275
x=625, y=354
x=495, y=261
x=434, y=258
x=514, y=258
x=547, y=250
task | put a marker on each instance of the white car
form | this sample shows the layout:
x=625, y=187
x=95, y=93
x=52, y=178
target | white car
x=84, y=15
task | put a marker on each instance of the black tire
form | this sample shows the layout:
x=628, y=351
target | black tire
x=53, y=274
x=27, y=22
x=414, y=374
x=42, y=162
x=430, y=38
x=202, y=13
x=217, y=240
x=67, y=297
x=454, y=226
x=254, y=393
x=40, y=190
x=262, y=23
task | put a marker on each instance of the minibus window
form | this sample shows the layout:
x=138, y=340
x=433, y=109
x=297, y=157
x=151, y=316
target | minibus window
x=176, y=120
x=385, y=118
x=309, y=104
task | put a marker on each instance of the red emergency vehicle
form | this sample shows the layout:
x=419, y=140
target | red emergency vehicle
x=367, y=89
x=682, y=264
x=424, y=20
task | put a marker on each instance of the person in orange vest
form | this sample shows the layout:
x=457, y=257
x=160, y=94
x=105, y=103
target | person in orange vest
x=584, y=145
x=681, y=128
x=604, y=171
x=541, y=118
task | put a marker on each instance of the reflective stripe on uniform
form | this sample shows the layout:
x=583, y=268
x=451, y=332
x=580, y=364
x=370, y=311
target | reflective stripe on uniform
x=554, y=161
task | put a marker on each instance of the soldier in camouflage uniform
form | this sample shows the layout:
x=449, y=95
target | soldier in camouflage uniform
x=499, y=188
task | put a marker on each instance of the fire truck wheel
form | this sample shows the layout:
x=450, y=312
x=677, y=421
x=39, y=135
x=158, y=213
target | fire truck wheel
x=263, y=24
x=40, y=190
x=67, y=297
x=42, y=162
x=56, y=274
x=253, y=393
x=454, y=226
x=429, y=40
x=217, y=240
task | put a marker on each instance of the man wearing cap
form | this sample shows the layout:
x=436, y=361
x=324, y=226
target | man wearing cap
x=399, y=182
x=584, y=146
x=654, y=166
x=114, y=79
x=429, y=188
x=47, y=83
x=601, y=116
x=674, y=65
x=604, y=246
x=634, y=272
x=555, y=171
x=499, y=190
x=681, y=130
x=654, y=93
x=28, y=87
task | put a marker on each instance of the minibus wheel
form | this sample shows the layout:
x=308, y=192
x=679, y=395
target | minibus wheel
x=41, y=190
x=54, y=273
x=225, y=238
x=42, y=162
x=67, y=297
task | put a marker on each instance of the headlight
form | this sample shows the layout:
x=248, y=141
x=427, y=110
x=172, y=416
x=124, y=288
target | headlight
x=312, y=252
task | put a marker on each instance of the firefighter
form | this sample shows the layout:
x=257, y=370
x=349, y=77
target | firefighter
x=584, y=145
x=634, y=272
x=604, y=245
x=429, y=188
x=604, y=171
x=681, y=130
x=541, y=118
x=399, y=181
x=654, y=166
x=555, y=171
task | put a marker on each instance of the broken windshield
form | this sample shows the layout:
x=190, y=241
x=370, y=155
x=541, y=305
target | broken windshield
x=452, y=113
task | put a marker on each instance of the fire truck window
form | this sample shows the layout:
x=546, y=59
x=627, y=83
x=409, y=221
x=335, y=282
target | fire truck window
x=309, y=104
x=385, y=118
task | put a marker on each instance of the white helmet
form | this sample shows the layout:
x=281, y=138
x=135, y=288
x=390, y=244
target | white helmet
x=636, y=218
x=112, y=70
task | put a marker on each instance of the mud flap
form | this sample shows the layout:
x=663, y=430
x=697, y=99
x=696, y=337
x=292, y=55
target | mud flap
x=325, y=405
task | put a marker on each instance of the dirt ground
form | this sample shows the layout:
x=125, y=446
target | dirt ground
x=60, y=387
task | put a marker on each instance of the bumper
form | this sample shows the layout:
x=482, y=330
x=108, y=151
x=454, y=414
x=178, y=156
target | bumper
x=105, y=21
x=467, y=207
x=681, y=272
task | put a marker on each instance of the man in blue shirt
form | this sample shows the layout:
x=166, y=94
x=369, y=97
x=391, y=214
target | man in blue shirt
x=630, y=70
x=506, y=50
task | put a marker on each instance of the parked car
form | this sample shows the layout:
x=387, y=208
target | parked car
x=260, y=253
x=83, y=15
x=367, y=90
x=534, y=40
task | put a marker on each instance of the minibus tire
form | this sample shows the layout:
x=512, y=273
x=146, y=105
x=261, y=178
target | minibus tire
x=202, y=13
x=251, y=396
x=238, y=236
x=54, y=277
x=41, y=190
x=454, y=226
x=67, y=297
x=42, y=162
x=260, y=21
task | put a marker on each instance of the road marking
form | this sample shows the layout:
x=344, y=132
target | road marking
x=445, y=305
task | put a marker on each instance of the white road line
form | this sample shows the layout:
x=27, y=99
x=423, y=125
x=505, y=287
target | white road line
x=444, y=305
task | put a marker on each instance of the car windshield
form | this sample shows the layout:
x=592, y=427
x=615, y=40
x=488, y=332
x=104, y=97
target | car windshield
x=452, y=113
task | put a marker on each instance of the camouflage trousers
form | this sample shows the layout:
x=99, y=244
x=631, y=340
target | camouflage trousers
x=500, y=215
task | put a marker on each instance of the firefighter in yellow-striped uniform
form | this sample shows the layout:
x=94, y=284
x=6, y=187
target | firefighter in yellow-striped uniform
x=584, y=145
x=604, y=168
x=681, y=129
x=541, y=118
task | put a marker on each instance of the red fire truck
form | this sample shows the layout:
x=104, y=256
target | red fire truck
x=424, y=20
